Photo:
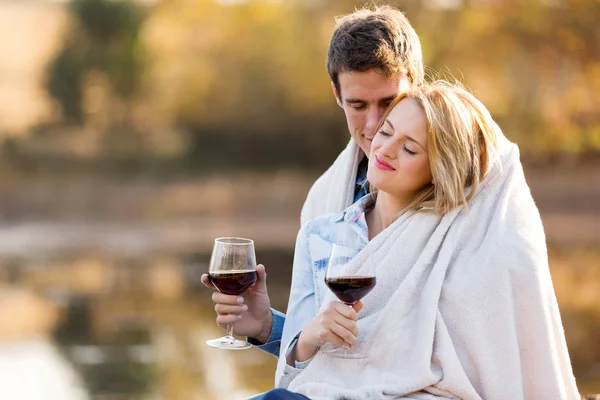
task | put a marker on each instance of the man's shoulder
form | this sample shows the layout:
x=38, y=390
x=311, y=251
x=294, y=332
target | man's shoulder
x=324, y=225
x=321, y=232
x=322, y=181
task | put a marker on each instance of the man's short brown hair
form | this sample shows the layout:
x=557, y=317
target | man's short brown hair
x=379, y=38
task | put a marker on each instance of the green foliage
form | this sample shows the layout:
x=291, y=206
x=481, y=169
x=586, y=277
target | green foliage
x=103, y=38
x=63, y=83
x=254, y=71
x=535, y=66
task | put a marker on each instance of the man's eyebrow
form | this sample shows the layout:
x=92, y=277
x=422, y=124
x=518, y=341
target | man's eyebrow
x=385, y=99
x=389, y=98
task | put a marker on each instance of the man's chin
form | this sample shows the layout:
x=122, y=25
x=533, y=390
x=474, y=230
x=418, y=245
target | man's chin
x=365, y=146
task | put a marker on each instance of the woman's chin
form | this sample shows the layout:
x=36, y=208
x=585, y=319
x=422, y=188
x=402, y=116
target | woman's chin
x=375, y=179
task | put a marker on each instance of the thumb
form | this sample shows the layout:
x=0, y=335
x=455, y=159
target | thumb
x=261, y=273
x=205, y=279
x=358, y=306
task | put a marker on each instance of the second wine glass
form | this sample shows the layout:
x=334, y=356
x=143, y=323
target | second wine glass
x=348, y=288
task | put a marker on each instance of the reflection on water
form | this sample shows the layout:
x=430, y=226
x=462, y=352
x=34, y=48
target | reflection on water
x=136, y=328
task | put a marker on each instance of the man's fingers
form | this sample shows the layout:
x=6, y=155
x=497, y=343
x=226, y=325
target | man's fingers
x=205, y=279
x=222, y=309
x=228, y=299
x=224, y=320
x=261, y=276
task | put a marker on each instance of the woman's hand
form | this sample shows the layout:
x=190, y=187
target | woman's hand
x=336, y=323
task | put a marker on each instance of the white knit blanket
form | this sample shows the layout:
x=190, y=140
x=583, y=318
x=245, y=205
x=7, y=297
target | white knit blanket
x=333, y=192
x=463, y=308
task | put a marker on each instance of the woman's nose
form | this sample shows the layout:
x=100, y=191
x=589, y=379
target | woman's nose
x=389, y=149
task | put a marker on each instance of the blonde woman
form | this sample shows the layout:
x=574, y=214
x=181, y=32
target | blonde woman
x=464, y=306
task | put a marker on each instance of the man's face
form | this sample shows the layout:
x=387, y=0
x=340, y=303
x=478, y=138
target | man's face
x=364, y=98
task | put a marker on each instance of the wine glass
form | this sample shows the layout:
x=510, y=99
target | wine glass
x=348, y=288
x=232, y=270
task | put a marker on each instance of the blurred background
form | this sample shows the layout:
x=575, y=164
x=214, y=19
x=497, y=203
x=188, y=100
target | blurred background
x=132, y=133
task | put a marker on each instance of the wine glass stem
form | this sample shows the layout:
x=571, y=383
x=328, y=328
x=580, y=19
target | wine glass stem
x=345, y=346
x=229, y=334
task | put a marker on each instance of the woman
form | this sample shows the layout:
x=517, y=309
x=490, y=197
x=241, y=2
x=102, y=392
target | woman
x=464, y=306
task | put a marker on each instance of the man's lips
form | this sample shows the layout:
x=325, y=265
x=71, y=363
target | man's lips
x=379, y=163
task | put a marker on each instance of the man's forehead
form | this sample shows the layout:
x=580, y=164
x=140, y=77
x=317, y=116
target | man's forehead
x=369, y=86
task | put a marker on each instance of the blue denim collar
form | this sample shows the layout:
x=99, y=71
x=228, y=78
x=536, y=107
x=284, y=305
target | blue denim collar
x=355, y=215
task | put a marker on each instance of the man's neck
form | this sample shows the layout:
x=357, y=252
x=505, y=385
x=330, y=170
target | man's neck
x=384, y=213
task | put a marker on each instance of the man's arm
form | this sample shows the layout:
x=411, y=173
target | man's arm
x=270, y=340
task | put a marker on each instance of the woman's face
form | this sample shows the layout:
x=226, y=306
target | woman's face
x=399, y=160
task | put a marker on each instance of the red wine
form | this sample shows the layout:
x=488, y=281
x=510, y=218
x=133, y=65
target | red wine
x=232, y=282
x=350, y=289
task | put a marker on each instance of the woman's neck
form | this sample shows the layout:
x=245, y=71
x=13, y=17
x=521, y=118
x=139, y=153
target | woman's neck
x=384, y=213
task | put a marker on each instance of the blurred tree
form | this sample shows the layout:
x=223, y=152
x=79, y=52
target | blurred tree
x=535, y=65
x=242, y=74
x=104, y=39
x=247, y=75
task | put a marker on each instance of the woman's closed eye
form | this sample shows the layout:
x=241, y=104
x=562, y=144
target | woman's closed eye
x=406, y=149
x=384, y=133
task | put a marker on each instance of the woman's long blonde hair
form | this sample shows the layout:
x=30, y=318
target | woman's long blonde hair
x=461, y=138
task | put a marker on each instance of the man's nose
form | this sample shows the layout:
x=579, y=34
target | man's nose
x=373, y=117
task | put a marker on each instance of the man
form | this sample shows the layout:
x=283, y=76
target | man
x=373, y=55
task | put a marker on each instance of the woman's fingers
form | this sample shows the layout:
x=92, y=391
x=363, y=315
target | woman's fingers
x=345, y=311
x=339, y=323
x=336, y=323
x=342, y=336
x=358, y=306
x=347, y=324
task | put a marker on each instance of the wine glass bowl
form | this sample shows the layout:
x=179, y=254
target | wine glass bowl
x=232, y=282
x=350, y=289
x=232, y=270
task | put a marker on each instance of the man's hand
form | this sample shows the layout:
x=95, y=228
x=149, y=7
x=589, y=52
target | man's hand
x=336, y=323
x=250, y=312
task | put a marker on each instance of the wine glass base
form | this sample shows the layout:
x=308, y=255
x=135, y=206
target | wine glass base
x=341, y=352
x=226, y=343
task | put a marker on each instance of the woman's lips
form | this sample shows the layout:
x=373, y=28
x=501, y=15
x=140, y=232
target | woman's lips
x=379, y=163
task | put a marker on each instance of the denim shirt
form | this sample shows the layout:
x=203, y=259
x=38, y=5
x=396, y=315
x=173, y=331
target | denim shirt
x=362, y=185
x=313, y=248
x=273, y=344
